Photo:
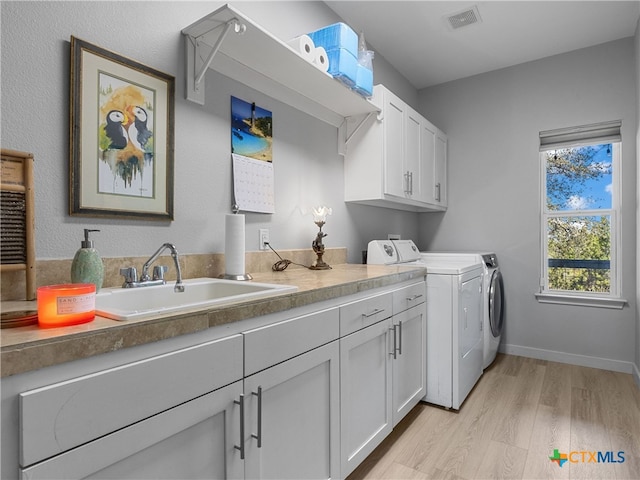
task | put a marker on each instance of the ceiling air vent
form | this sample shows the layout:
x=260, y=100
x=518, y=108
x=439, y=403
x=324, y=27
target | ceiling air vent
x=467, y=17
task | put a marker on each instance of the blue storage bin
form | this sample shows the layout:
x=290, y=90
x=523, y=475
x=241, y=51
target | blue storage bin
x=343, y=66
x=338, y=35
x=364, y=81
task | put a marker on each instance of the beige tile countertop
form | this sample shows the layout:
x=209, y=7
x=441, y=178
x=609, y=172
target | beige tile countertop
x=29, y=348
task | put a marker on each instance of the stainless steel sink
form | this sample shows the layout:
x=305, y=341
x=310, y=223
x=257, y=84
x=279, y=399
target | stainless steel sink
x=199, y=294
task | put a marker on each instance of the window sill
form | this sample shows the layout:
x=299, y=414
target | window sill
x=583, y=301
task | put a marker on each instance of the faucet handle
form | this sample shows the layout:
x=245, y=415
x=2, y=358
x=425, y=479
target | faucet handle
x=130, y=275
x=159, y=271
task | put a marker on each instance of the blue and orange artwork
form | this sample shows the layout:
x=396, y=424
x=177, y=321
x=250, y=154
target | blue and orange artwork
x=125, y=137
x=251, y=130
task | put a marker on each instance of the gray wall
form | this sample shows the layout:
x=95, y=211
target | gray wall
x=637, y=44
x=493, y=122
x=308, y=169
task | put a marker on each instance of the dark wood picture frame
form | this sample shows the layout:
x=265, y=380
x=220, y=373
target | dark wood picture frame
x=121, y=136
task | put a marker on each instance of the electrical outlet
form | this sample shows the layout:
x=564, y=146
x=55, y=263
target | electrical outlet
x=393, y=236
x=263, y=238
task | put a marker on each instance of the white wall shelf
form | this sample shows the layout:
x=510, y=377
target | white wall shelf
x=232, y=44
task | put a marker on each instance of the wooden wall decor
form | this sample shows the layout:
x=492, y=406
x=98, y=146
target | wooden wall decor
x=17, y=220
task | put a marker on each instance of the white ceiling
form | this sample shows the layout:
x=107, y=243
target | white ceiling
x=415, y=38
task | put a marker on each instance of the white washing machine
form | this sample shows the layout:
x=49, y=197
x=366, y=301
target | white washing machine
x=454, y=317
x=494, y=307
x=493, y=300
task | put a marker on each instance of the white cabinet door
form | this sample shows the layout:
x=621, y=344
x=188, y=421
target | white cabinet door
x=365, y=392
x=441, y=169
x=402, y=162
x=434, y=163
x=194, y=440
x=412, y=162
x=394, y=111
x=428, y=172
x=409, y=362
x=292, y=418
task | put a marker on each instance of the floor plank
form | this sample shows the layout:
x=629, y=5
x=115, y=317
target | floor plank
x=502, y=462
x=520, y=411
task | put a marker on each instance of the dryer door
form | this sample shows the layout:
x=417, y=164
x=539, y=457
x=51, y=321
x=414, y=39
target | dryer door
x=496, y=304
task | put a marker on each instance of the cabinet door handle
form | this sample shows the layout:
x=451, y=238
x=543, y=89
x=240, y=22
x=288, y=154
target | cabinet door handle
x=394, y=350
x=438, y=191
x=258, y=436
x=415, y=297
x=375, y=312
x=407, y=188
x=241, y=447
x=400, y=338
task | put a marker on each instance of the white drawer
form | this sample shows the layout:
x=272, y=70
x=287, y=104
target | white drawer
x=365, y=312
x=62, y=416
x=410, y=296
x=271, y=344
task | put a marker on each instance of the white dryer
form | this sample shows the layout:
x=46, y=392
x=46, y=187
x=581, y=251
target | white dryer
x=455, y=305
x=454, y=317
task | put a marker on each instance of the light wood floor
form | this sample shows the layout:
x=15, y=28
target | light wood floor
x=518, y=413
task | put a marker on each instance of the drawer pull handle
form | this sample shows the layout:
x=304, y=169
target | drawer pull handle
x=415, y=297
x=375, y=312
x=241, y=447
x=258, y=436
x=394, y=351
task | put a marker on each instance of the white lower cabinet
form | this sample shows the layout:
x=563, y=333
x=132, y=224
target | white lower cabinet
x=382, y=369
x=409, y=362
x=292, y=413
x=365, y=392
x=150, y=419
x=306, y=395
x=192, y=441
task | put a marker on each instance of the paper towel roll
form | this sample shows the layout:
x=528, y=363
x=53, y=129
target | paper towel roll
x=304, y=46
x=234, y=244
x=321, y=59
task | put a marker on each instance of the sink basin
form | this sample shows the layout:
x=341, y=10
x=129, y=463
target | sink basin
x=199, y=293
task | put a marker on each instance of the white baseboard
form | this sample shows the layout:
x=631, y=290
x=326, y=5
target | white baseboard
x=573, y=359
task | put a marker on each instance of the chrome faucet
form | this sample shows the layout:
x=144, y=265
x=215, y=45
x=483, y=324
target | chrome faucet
x=131, y=275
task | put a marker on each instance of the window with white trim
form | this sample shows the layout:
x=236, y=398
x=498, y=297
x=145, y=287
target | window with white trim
x=580, y=205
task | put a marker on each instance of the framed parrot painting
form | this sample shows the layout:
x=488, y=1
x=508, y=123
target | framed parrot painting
x=121, y=136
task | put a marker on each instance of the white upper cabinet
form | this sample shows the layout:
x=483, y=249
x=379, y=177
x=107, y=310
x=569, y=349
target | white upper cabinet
x=396, y=159
x=434, y=165
x=229, y=42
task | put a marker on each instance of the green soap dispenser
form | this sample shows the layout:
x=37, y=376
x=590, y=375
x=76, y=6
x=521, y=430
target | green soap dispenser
x=87, y=266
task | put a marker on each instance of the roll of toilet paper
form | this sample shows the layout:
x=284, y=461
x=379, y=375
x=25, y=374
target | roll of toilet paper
x=321, y=59
x=234, y=244
x=304, y=46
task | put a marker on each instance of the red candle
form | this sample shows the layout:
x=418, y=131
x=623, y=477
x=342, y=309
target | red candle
x=68, y=304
